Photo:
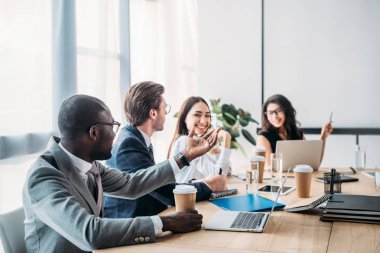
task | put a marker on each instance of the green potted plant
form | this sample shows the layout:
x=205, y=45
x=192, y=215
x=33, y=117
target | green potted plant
x=234, y=121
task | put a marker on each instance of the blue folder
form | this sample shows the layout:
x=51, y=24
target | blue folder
x=246, y=203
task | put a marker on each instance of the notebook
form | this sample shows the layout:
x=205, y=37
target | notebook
x=246, y=203
x=353, y=204
x=352, y=208
x=222, y=194
x=295, y=152
x=312, y=205
x=242, y=221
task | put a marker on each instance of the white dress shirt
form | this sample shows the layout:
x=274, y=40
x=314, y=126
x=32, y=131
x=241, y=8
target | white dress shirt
x=172, y=161
x=203, y=166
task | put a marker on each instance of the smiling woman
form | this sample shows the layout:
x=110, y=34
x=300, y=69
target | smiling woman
x=279, y=123
x=195, y=114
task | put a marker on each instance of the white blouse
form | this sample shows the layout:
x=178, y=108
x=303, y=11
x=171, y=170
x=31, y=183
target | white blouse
x=203, y=166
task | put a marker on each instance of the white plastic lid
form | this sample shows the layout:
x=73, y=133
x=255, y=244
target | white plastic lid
x=259, y=149
x=303, y=168
x=184, y=189
x=255, y=159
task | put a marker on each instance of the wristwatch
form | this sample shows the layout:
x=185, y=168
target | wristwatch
x=182, y=158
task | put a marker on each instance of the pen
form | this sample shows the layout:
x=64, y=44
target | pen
x=353, y=170
x=220, y=171
x=331, y=114
x=332, y=177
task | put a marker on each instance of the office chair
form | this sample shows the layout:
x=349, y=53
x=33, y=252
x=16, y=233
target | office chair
x=12, y=231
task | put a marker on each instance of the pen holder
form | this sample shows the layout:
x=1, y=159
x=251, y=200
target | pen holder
x=337, y=187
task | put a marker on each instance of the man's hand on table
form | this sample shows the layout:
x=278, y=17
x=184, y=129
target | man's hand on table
x=182, y=222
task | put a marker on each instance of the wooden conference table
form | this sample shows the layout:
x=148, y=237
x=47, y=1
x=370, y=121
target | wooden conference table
x=285, y=232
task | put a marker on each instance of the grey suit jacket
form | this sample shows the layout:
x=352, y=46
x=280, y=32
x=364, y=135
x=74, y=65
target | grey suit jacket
x=61, y=213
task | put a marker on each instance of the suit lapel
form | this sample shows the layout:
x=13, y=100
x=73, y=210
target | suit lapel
x=67, y=168
x=138, y=134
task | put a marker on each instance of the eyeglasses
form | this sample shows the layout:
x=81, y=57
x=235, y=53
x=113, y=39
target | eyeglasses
x=167, y=108
x=278, y=111
x=115, y=125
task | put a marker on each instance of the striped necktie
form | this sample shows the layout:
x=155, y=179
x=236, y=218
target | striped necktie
x=150, y=149
x=94, y=171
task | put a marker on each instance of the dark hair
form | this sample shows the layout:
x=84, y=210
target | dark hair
x=140, y=99
x=78, y=113
x=181, y=128
x=290, y=124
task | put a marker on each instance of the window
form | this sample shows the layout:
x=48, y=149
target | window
x=25, y=63
x=98, y=56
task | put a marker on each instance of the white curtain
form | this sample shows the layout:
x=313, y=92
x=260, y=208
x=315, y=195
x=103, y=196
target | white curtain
x=98, y=57
x=25, y=66
x=164, y=49
x=25, y=84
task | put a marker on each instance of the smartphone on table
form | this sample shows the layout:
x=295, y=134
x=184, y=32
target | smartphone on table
x=274, y=189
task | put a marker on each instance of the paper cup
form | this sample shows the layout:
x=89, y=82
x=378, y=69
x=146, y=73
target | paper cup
x=259, y=151
x=258, y=161
x=184, y=197
x=303, y=175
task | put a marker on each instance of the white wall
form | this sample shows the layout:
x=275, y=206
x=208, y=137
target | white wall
x=324, y=55
x=230, y=56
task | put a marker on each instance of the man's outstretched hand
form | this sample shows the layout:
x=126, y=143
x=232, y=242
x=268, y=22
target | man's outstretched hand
x=182, y=222
x=198, y=146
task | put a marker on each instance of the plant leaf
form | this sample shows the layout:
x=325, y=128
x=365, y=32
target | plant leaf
x=234, y=144
x=253, y=120
x=243, y=122
x=232, y=120
x=230, y=109
x=234, y=134
x=215, y=101
x=242, y=113
x=216, y=109
x=248, y=137
x=229, y=118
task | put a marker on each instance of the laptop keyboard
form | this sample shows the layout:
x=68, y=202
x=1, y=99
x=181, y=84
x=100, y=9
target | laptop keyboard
x=248, y=220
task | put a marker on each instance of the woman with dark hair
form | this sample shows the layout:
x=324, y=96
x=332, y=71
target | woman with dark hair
x=279, y=123
x=195, y=113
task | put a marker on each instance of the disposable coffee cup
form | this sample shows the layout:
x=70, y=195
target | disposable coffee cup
x=303, y=175
x=259, y=151
x=258, y=162
x=184, y=197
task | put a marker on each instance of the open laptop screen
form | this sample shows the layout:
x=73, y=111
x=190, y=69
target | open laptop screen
x=295, y=152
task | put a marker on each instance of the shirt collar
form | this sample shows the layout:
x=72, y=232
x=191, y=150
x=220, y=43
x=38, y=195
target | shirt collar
x=146, y=137
x=80, y=164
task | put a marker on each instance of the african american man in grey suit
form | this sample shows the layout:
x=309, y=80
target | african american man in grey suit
x=63, y=192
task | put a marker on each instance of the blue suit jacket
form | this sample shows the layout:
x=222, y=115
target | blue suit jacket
x=131, y=154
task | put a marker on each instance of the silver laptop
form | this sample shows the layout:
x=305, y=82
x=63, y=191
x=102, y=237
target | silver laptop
x=242, y=221
x=300, y=152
